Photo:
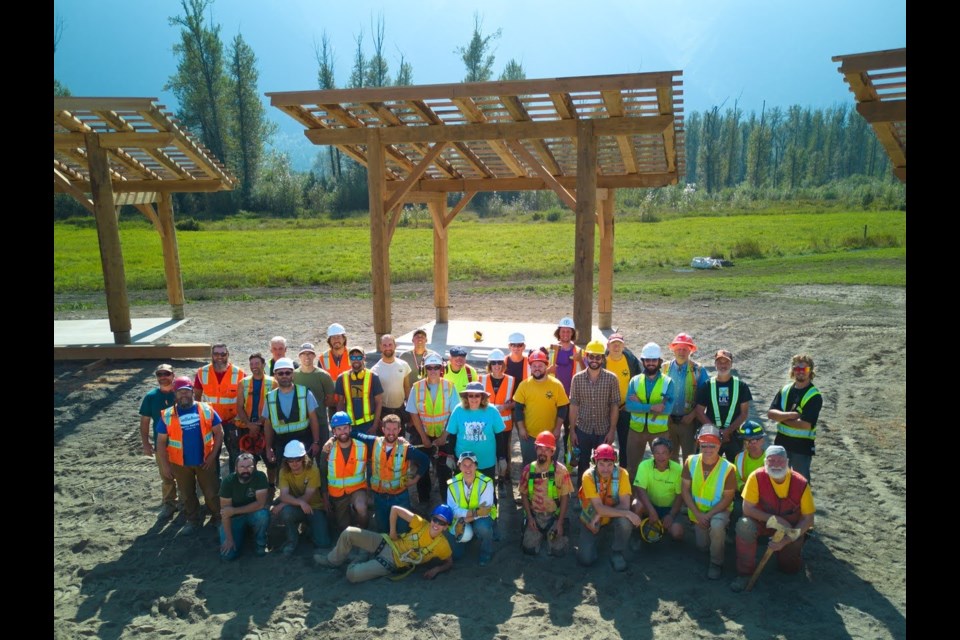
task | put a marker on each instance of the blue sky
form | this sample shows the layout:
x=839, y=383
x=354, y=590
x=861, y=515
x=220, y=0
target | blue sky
x=750, y=51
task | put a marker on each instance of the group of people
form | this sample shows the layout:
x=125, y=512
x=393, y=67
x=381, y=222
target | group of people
x=344, y=445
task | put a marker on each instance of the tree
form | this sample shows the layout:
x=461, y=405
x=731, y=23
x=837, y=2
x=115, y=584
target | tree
x=359, y=73
x=249, y=126
x=513, y=71
x=476, y=56
x=708, y=154
x=404, y=74
x=325, y=79
x=59, y=89
x=378, y=72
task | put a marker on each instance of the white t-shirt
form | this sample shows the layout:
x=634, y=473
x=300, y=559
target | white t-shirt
x=391, y=377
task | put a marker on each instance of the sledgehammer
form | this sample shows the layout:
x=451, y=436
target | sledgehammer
x=781, y=531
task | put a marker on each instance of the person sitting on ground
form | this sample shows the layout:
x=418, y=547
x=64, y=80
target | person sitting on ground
x=243, y=505
x=548, y=488
x=470, y=496
x=301, y=498
x=604, y=499
x=657, y=489
x=395, y=553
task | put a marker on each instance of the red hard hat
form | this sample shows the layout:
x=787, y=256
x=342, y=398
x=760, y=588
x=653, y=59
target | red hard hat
x=252, y=445
x=546, y=439
x=537, y=356
x=605, y=452
x=685, y=340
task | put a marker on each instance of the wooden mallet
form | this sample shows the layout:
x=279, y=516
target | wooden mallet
x=781, y=531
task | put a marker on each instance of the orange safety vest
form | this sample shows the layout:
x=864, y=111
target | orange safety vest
x=346, y=475
x=389, y=473
x=334, y=369
x=526, y=367
x=269, y=384
x=175, y=432
x=222, y=395
x=504, y=395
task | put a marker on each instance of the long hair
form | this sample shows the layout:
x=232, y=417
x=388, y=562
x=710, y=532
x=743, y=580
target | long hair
x=804, y=358
x=484, y=401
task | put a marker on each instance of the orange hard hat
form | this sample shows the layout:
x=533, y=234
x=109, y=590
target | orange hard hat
x=605, y=452
x=546, y=439
x=537, y=356
x=252, y=445
x=685, y=340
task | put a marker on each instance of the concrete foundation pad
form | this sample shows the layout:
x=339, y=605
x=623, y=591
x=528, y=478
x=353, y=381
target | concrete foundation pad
x=97, y=332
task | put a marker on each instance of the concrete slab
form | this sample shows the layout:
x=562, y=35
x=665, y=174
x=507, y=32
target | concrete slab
x=97, y=332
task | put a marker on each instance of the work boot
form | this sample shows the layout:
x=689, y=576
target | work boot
x=260, y=551
x=321, y=560
x=189, y=529
x=166, y=512
x=714, y=572
x=618, y=562
x=739, y=584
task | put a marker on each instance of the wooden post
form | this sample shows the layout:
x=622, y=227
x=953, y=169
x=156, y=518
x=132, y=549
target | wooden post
x=605, y=297
x=441, y=273
x=379, y=246
x=108, y=235
x=583, y=242
x=171, y=255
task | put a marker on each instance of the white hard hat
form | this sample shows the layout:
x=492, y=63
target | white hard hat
x=516, y=338
x=496, y=356
x=651, y=351
x=336, y=329
x=566, y=323
x=294, y=449
x=467, y=534
x=432, y=359
x=283, y=363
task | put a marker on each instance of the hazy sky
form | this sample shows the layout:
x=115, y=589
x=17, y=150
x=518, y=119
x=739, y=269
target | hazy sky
x=750, y=50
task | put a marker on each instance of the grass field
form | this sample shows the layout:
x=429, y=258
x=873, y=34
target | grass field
x=653, y=257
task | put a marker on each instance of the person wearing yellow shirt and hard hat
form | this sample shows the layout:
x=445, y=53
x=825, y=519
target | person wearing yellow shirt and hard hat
x=605, y=500
x=541, y=405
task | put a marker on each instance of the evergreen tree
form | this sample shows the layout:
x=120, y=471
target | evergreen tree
x=378, y=72
x=249, y=126
x=513, y=71
x=477, y=56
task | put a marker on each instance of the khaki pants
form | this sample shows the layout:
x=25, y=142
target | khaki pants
x=636, y=447
x=682, y=436
x=715, y=538
x=351, y=510
x=187, y=479
x=354, y=537
x=168, y=488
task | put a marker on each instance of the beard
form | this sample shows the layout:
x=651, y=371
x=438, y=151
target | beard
x=651, y=369
x=185, y=404
x=388, y=353
x=593, y=364
x=343, y=437
x=390, y=437
x=245, y=476
x=542, y=458
x=777, y=474
x=538, y=374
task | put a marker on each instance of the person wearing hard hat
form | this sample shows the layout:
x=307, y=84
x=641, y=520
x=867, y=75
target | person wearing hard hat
x=394, y=552
x=687, y=376
x=605, y=499
x=319, y=382
x=219, y=384
x=302, y=500
x=565, y=361
x=345, y=466
x=774, y=490
x=657, y=490
x=152, y=405
x=500, y=388
x=429, y=405
x=470, y=496
x=708, y=483
x=474, y=425
x=541, y=405
x=594, y=407
x=361, y=394
x=189, y=436
x=724, y=401
x=278, y=349
x=622, y=363
x=458, y=371
x=748, y=460
x=416, y=357
x=795, y=409
x=335, y=360
x=252, y=411
x=394, y=378
x=516, y=362
x=243, y=505
x=649, y=401
x=545, y=489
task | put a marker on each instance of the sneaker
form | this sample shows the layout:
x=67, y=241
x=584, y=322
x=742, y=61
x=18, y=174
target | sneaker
x=618, y=562
x=289, y=548
x=260, y=551
x=166, y=512
x=739, y=584
x=321, y=560
x=189, y=529
x=714, y=572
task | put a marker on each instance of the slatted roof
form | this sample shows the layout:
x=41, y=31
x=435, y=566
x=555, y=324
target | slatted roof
x=505, y=135
x=878, y=80
x=146, y=150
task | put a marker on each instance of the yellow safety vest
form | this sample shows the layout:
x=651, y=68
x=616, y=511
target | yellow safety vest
x=808, y=434
x=707, y=492
x=472, y=501
x=653, y=422
x=277, y=421
x=434, y=411
x=367, y=398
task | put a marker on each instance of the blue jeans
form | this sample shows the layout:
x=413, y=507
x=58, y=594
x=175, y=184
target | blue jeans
x=381, y=505
x=319, y=527
x=259, y=521
x=587, y=443
x=800, y=462
x=482, y=531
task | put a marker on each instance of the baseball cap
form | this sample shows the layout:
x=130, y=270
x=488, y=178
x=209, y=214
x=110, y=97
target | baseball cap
x=182, y=382
x=616, y=337
x=357, y=350
x=457, y=351
x=467, y=454
x=420, y=331
x=164, y=367
x=307, y=347
x=723, y=353
x=775, y=450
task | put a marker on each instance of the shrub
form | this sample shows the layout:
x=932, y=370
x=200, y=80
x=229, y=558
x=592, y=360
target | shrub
x=747, y=248
x=553, y=215
x=188, y=224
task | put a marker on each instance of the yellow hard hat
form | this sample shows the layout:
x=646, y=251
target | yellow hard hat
x=595, y=346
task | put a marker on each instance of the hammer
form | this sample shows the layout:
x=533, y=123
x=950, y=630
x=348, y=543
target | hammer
x=781, y=531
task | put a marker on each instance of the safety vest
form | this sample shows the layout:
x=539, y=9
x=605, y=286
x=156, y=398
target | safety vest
x=653, y=422
x=460, y=379
x=788, y=508
x=346, y=475
x=389, y=475
x=689, y=382
x=327, y=362
x=222, y=395
x=549, y=474
x=434, y=411
x=607, y=497
x=735, y=394
x=175, y=432
x=576, y=359
x=268, y=385
x=366, y=396
x=707, y=492
x=502, y=396
x=526, y=367
x=414, y=555
x=480, y=482
x=794, y=432
x=278, y=422
x=745, y=466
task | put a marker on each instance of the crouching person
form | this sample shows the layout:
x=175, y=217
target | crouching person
x=243, y=505
x=394, y=553
x=301, y=500
x=604, y=499
x=545, y=489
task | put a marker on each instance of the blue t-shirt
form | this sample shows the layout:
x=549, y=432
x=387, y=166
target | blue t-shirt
x=475, y=429
x=153, y=403
x=192, y=438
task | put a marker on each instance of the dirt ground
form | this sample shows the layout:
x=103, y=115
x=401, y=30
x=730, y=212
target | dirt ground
x=120, y=574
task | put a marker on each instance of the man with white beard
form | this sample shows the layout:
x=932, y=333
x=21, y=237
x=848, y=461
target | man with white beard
x=775, y=490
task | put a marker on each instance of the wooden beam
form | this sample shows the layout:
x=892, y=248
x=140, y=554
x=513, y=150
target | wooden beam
x=441, y=273
x=886, y=59
x=191, y=351
x=170, y=185
x=60, y=182
x=564, y=105
x=148, y=212
x=457, y=208
x=471, y=158
x=536, y=183
x=613, y=101
x=584, y=235
x=534, y=164
x=882, y=111
x=473, y=113
x=519, y=113
x=171, y=256
x=397, y=196
x=71, y=103
x=137, y=140
x=605, y=276
x=665, y=106
x=379, y=247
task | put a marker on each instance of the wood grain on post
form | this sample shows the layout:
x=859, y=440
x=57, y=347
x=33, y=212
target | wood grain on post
x=605, y=289
x=379, y=247
x=584, y=238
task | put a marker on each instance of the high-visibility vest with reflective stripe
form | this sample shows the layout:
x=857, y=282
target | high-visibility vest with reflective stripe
x=460, y=379
x=327, y=362
x=502, y=396
x=480, y=482
x=577, y=366
x=222, y=395
x=707, y=492
x=689, y=382
x=550, y=475
x=525, y=371
x=175, y=432
x=735, y=395
x=346, y=475
x=389, y=475
x=434, y=411
x=793, y=432
x=745, y=466
x=268, y=385
x=652, y=422
x=366, y=397
x=277, y=421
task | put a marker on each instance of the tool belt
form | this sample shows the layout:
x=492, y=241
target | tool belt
x=389, y=566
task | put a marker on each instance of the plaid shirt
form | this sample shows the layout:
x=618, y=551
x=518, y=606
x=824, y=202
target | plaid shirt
x=594, y=399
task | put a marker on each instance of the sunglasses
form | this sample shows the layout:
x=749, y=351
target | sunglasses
x=594, y=356
x=802, y=369
x=474, y=395
x=222, y=354
x=285, y=372
x=434, y=367
x=439, y=521
x=356, y=358
x=164, y=374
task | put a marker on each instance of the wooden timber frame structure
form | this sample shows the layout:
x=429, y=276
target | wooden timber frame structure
x=583, y=137
x=109, y=152
x=878, y=80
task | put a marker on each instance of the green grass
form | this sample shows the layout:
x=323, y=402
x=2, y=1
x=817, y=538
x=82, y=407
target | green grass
x=769, y=250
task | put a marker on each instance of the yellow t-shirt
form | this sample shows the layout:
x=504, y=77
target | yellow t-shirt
x=589, y=491
x=414, y=547
x=540, y=399
x=299, y=483
x=620, y=368
x=751, y=493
